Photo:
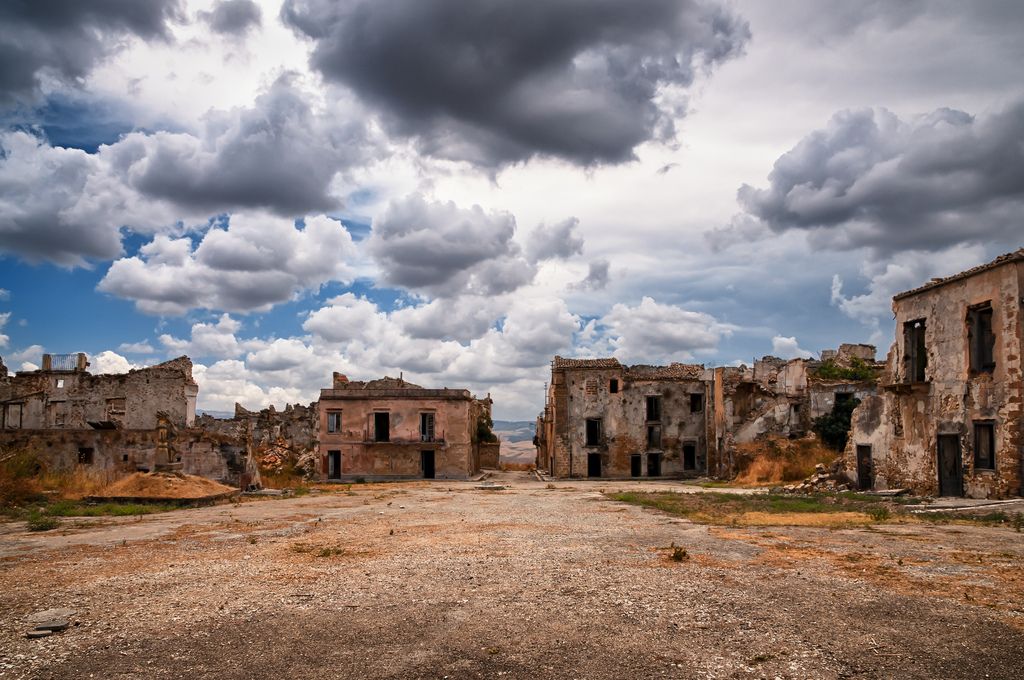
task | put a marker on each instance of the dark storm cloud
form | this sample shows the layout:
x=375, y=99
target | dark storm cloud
x=233, y=17
x=446, y=250
x=276, y=155
x=65, y=38
x=871, y=179
x=500, y=81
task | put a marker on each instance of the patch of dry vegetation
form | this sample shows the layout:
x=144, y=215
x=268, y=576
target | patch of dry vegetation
x=777, y=460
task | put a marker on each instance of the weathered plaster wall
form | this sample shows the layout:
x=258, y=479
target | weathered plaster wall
x=456, y=455
x=904, y=435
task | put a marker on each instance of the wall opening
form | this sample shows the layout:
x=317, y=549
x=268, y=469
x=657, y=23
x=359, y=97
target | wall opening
x=653, y=408
x=915, y=353
x=865, y=472
x=984, y=445
x=85, y=455
x=654, y=465
x=426, y=427
x=593, y=431
x=334, y=465
x=334, y=421
x=635, y=466
x=689, y=456
x=382, y=427
x=981, y=340
x=696, y=402
x=613, y=386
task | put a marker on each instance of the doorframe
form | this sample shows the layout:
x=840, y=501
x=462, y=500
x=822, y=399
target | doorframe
x=958, y=459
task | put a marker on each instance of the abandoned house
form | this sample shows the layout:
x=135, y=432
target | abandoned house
x=392, y=429
x=948, y=420
x=604, y=419
x=117, y=423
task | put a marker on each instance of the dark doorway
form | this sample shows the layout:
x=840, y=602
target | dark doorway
x=634, y=466
x=381, y=427
x=689, y=457
x=865, y=475
x=593, y=465
x=951, y=480
x=334, y=465
x=654, y=465
x=427, y=464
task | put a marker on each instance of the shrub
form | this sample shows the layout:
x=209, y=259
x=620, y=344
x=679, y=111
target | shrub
x=834, y=427
x=37, y=521
x=879, y=514
x=19, y=484
x=857, y=370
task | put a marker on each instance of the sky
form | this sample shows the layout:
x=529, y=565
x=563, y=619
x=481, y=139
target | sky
x=458, y=191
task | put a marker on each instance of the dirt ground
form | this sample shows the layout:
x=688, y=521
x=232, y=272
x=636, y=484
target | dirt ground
x=442, y=580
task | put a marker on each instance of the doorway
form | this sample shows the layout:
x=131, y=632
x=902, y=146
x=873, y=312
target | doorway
x=654, y=465
x=865, y=473
x=951, y=477
x=593, y=465
x=634, y=466
x=334, y=465
x=427, y=464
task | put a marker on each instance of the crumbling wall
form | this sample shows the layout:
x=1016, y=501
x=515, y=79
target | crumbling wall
x=911, y=416
x=73, y=399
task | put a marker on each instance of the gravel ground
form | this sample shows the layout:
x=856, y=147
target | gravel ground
x=434, y=580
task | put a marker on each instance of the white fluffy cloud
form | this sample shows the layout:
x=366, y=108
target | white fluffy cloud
x=252, y=264
x=110, y=362
x=4, y=340
x=789, y=348
x=653, y=332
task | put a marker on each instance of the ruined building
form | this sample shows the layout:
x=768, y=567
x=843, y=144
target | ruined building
x=116, y=423
x=392, y=429
x=948, y=418
x=604, y=419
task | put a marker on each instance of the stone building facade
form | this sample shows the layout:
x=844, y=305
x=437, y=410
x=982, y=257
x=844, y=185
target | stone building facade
x=605, y=419
x=392, y=429
x=119, y=423
x=948, y=420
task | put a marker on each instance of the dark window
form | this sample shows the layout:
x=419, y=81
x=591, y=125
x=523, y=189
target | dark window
x=593, y=431
x=842, y=397
x=426, y=427
x=613, y=386
x=915, y=354
x=654, y=436
x=654, y=465
x=689, y=457
x=654, y=408
x=334, y=421
x=984, y=446
x=980, y=338
x=382, y=427
x=85, y=455
x=696, y=402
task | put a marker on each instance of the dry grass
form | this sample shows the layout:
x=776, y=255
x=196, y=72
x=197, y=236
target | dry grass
x=776, y=460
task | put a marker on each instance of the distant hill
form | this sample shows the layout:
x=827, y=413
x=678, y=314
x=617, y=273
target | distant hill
x=515, y=430
x=227, y=415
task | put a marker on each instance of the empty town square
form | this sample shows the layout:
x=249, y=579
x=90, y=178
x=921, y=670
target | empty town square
x=519, y=577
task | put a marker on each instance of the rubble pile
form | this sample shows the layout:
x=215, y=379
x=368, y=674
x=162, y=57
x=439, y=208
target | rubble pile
x=825, y=478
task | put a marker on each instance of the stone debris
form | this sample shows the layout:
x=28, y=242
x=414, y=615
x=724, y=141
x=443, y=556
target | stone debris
x=825, y=478
x=47, y=622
